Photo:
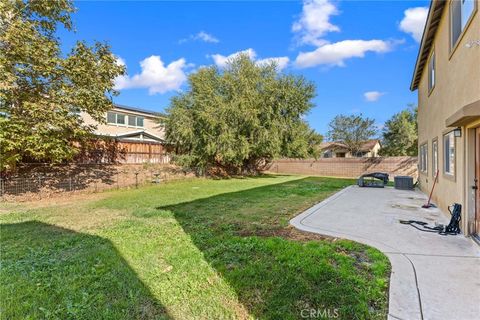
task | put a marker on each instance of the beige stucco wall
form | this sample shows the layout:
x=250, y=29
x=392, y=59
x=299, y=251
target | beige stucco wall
x=457, y=83
x=149, y=124
x=375, y=151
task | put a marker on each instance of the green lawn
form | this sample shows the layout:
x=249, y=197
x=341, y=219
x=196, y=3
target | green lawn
x=194, y=249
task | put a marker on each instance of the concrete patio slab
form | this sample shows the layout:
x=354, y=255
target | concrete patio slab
x=433, y=276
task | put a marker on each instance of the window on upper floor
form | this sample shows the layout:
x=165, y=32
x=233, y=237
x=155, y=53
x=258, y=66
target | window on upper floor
x=431, y=72
x=75, y=111
x=111, y=117
x=120, y=118
x=135, y=121
x=115, y=118
x=123, y=119
x=460, y=13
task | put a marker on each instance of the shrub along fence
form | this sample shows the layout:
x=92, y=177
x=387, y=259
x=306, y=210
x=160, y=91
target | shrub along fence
x=347, y=167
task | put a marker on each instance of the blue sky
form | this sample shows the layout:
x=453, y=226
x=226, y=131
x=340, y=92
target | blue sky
x=348, y=48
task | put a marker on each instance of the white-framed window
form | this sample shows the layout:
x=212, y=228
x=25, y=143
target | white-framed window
x=431, y=71
x=460, y=13
x=115, y=118
x=449, y=153
x=423, y=158
x=111, y=117
x=135, y=121
x=434, y=157
x=123, y=119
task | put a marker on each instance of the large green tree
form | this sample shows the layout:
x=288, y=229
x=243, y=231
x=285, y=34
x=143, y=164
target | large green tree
x=42, y=90
x=400, y=134
x=240, y=118
x=352, y=131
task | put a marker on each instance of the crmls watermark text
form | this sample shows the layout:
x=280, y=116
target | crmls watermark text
x=320, y=313
x=473, y=43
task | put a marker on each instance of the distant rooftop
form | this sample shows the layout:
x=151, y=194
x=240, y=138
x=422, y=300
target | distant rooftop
x=135, y=109
x=366, y=146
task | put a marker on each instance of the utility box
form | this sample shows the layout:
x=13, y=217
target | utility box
x=403, y=182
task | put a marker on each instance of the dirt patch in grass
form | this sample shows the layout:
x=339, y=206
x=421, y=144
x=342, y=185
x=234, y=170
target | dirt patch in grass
x=64, y=199
x=238, y=309
x=75, y=213
x=289, y=233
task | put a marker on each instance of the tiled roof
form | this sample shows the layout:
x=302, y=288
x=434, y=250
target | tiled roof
x=135, y=109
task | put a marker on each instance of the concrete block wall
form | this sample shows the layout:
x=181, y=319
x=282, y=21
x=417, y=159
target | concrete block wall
x=347, y=167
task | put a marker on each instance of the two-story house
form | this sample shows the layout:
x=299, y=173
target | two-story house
x=129, y=124
x=447, y=77
x=136, y=132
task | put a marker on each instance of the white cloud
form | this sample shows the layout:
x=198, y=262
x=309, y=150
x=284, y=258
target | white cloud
x=121, y=82
x=120, y=61
x=335, y=54
x=206, y=37
x=156, y=76
x=314, y=22
x=221, y=60
x=281, y=62
x=201, y=36
x=372, y=96
x=413, y=22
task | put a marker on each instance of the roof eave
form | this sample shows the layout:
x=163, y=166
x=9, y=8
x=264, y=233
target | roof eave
x=139, y=110
x=126, y=134
x=433, y=19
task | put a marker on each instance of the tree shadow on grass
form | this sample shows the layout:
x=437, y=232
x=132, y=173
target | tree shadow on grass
x=50, y=272
x=278, y=277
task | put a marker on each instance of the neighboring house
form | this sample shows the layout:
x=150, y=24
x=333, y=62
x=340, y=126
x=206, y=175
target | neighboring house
x=129, y=124
x=447, y=77
x=369, y=148
x=137, y=135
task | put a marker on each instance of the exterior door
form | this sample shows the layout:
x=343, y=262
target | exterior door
x=477, y=182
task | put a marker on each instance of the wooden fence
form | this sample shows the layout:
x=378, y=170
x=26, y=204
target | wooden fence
x=141, y=152
x=124, y=152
